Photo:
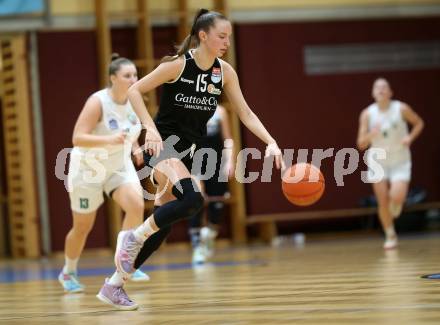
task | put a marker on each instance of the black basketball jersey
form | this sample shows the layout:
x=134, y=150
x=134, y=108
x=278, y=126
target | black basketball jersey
x=188, y=102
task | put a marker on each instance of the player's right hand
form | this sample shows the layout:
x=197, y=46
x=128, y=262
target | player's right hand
x=153, y=142
x=272, y=149
x=117, y=138
x=375, y=130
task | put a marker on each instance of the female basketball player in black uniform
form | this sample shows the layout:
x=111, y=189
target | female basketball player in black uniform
x=193, y=81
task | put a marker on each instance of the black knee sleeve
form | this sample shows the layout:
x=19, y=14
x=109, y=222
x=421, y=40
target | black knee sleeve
x=189, y=202
x=187, y=192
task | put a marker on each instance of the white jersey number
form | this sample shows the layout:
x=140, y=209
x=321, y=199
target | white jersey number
x=201, y=83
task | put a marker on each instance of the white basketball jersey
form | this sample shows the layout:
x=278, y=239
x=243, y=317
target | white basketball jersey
x=393, y=128
x=115, y=118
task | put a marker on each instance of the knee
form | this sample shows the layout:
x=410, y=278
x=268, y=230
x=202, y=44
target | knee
x=138, y=206
x=192, y=203
x=196, y=203
x=82, y=228
x=135, y=205
x=187, y=192
x=397, y=198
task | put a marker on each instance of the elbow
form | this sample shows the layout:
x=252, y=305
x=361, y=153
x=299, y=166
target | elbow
x=75, y=141
x=246, y=115
x=133, y=90
x=361, y=145
x=130, y=92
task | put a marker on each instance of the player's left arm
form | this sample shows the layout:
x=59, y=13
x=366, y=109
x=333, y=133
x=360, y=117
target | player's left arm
x=224, y=123
x=414, y=120
x=228, y=142
x=250, y=120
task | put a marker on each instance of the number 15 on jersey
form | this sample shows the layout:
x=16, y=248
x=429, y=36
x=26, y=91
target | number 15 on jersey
x=201, y=84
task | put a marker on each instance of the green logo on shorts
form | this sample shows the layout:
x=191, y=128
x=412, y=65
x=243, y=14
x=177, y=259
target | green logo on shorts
x=84, y=203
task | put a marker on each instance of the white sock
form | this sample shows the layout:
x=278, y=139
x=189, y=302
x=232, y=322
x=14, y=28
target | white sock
x=117, y=280
x=390, y=232
x=71, y=265
x=144, y=231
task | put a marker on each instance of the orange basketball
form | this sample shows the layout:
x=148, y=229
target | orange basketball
x=303, y=184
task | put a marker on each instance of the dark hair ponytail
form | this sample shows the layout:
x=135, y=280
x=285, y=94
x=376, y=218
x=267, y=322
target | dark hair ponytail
x=201, y=12
x=203, y=20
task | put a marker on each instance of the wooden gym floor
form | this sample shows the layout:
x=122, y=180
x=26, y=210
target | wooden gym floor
x=328, y=281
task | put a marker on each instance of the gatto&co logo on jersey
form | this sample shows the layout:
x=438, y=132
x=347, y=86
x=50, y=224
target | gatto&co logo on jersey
x=181, y=98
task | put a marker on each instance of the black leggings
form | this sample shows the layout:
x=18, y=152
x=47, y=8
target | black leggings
x=215, y=211
x=152, y=244
x=213, y=187
x=189, y=202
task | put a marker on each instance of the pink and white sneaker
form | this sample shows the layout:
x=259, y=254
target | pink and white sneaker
x=116, y=297
x=127, y=249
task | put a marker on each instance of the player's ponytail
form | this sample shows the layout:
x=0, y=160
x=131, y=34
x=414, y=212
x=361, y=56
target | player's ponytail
x=203, y=20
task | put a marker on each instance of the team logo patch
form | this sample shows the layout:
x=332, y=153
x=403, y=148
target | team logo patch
x=113, y=124
x=216, y=75
x=213, y=90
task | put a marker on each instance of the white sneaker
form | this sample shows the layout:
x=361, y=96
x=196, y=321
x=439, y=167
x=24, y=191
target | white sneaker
x=139, y=276
x=207, y=239
x=199, y=256
x=390, y=243
x=70, y=282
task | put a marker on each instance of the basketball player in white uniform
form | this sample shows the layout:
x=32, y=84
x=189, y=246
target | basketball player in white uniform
x=384, y=125
x=100, y=162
